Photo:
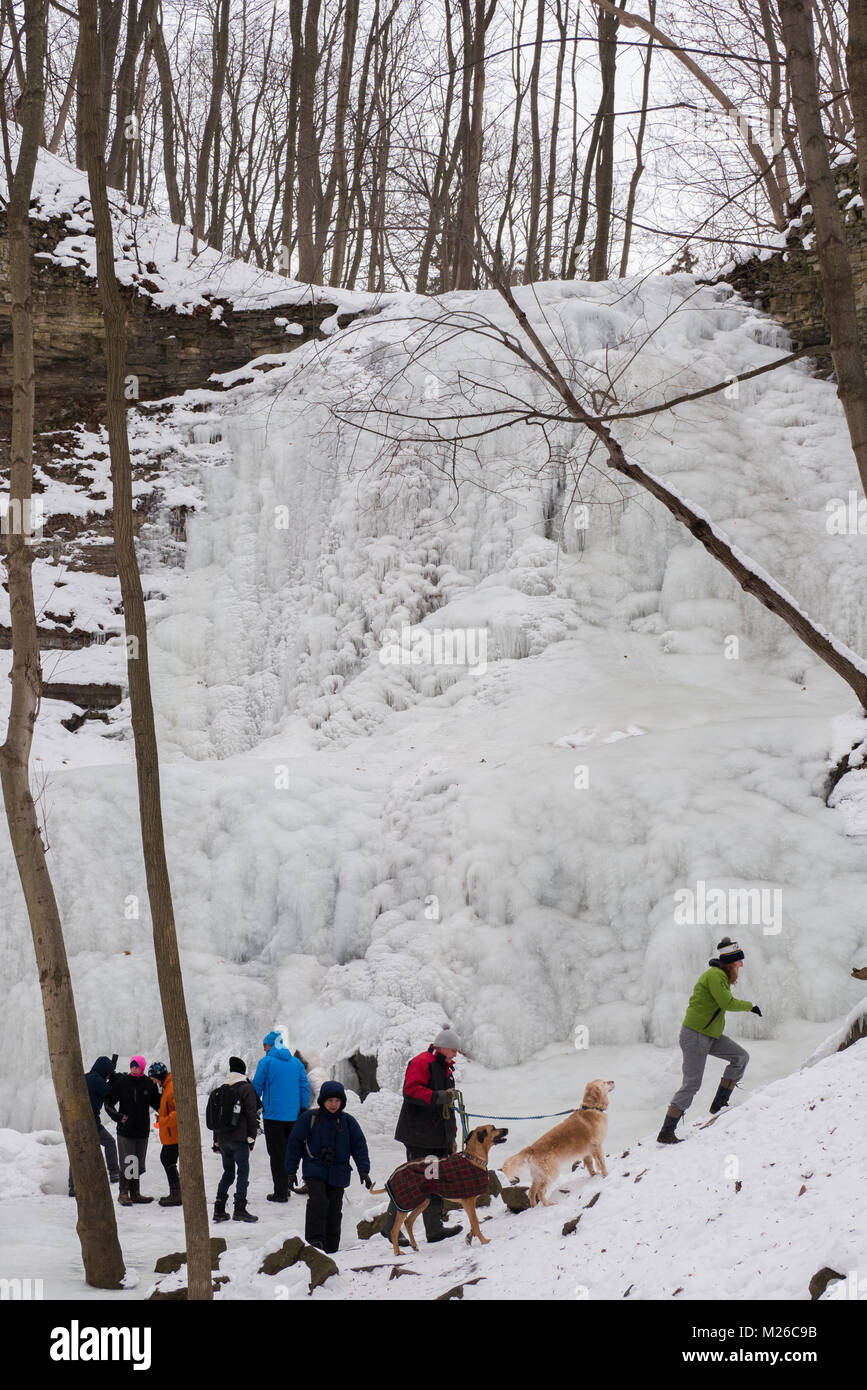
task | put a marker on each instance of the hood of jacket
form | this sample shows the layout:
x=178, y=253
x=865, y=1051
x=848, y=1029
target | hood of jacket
x=102, y=1066
x=234, y=1077
x=331, y=1088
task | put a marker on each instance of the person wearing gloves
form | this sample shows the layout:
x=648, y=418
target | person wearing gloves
x=281, y=1083
x=236, y=1142
x=134, y=1095
x=702, y=1035
x=167, y=1124
x=323, y=1141
x=97, y=1081
x=426, y=1123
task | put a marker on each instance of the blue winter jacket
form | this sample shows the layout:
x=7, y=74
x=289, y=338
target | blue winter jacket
x=281, y=1084
x=318, y=1130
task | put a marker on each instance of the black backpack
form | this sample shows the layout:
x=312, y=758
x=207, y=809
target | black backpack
x=224, y=1109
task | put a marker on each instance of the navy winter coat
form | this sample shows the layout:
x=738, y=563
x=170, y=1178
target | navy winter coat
x=319, y=1130
x=97, y=1082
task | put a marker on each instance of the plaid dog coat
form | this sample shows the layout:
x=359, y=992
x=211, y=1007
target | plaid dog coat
x=453, y=1177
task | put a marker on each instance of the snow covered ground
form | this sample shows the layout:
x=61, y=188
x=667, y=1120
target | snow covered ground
x=668, y=1222
x=366, y=845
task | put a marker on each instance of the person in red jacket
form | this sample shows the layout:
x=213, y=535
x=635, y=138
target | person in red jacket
x=426, y=1124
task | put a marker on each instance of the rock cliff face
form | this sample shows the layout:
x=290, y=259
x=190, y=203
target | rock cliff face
x=787, y=283
x=167, y=352
x=170, y=349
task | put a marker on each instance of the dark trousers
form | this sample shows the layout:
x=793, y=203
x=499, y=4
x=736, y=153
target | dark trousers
x=109, y=1148
x=169, y=1160
x=236, y=1157
x=432, y=1216
x=324, y=1215
x=276, y=1138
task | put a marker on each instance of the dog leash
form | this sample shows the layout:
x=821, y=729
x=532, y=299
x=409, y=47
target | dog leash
x=553, y=1116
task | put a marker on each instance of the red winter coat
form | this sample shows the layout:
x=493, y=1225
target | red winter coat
x=451, y=1177
x=422, y=1123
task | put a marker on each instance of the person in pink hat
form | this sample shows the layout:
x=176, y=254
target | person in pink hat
x=134, y=1095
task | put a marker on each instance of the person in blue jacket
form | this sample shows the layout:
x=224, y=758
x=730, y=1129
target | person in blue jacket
x=281, y=1084
x=323, y=1141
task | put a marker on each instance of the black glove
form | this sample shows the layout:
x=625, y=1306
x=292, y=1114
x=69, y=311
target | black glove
x=443, y=1098
x=367, y=1180
x=756, y=1010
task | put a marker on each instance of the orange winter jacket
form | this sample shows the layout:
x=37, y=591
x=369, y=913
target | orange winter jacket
x=167, y=1120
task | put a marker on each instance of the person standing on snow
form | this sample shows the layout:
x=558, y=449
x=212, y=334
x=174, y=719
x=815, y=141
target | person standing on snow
x=702, y=1035
x=97, y=1082
x=134, y=1095
x=426, y=1124
x=324, y=1140
x=281, y=1083
x=236, y=1144
x=167, y=1124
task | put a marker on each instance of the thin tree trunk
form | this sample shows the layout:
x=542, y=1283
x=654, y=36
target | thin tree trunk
x=97, y=1229
x=212, y=121
x=472, y=108
x=551, y=187
x=147, y=762
x=837, y=289
x=69, y=94
x=856, y=68
x=167, y=103
x=607, y=25
x=305, y=53
x=639, y=146
x=531, y=258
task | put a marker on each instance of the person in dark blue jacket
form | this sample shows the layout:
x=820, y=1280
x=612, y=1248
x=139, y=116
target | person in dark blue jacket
x=323, y=1141
x=281, y=1084
x=97, y=1082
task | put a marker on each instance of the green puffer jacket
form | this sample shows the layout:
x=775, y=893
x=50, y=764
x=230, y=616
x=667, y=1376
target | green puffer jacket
x=709, y=1002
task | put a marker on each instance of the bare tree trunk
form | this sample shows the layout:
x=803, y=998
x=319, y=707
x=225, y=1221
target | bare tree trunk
x=531, y=259
x=63, y=113
x=607, y=25
x=338, y=182
x=837, y=289
x=551, y=188
x=475, y=26
x=137, y=24
x=856, y=67
x=167, y=103
x=97, y=1230
x=305, y=53
x=212, y=121
x=639, y=146
x=147, y=761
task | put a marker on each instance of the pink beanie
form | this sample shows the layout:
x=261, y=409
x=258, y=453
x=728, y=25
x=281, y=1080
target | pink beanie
x=139, y=1061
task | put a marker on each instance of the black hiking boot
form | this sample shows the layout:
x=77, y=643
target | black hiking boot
x=241, y=1213
x=667, y=1135
x=722, y=1096
x=220, y=1213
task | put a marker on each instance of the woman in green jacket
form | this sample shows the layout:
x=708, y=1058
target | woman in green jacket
x=702, y=1035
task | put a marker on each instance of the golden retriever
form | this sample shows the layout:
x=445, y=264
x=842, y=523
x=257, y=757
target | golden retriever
x=579, y=1136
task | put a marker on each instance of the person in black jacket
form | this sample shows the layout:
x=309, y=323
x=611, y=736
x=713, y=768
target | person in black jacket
x=426, y=1123
x=324, y=1141
x=236, y=1144
x=97, y=1082
x=134, y=1095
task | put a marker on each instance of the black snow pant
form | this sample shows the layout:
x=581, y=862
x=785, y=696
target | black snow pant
x=324, y=1215
x=109, y=1148
x=276, y=1138
x=169, y=1160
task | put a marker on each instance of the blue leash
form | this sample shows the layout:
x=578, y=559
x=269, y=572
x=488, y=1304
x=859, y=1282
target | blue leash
x=472, y=1115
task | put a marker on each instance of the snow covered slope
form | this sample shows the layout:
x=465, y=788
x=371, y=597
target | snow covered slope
x=366, y=847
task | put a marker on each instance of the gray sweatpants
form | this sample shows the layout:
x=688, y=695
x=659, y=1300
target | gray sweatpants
x=696, y=1048
x=131, y=1156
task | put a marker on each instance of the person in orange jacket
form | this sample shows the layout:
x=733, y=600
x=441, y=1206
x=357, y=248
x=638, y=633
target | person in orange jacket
x=167, y=1124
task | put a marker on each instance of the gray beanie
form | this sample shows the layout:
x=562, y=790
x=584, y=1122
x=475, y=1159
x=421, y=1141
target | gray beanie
x=447, y=1037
